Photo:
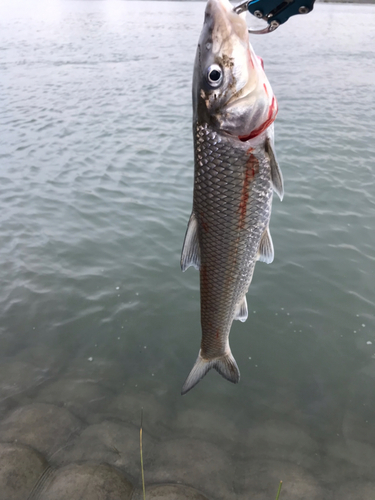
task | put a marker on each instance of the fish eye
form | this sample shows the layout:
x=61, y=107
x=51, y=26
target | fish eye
x=214, y=75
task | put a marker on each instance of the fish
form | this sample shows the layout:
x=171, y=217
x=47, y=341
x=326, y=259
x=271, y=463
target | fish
x=235, y=175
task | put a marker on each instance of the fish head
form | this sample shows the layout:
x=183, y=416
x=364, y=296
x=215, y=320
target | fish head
x=230, y=89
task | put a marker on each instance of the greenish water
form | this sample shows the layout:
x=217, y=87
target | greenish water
x=96, y=171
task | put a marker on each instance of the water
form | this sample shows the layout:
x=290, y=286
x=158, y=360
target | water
x=96, y=190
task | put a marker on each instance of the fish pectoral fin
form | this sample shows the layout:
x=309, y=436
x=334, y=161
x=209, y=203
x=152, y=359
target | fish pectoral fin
x=191, y=254
x=225, y=365
x=241, y=311
x=265, y=252
x=277, y=177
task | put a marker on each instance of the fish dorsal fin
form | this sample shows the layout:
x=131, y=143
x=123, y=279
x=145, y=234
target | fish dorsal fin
x=191, y=255
x=265, y=253
x=241, y=311
x=277, y=177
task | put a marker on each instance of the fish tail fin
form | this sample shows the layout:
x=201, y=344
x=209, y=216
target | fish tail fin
x=226, y=365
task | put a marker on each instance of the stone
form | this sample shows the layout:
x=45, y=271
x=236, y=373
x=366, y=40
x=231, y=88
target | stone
x=45, y=427
x=8, y=342
x=259, y=480
x=47, y=359
x=207, y=425
x=358, y=423
x=6, y=405
x=115, y=443
x=80, y=396
x=97, y=369
x=129, y=405
x=361, y=454
x=88, y=481
x=335, y=465
x=20, y=469
x=195, y=463
x=169, y=492
x=281, y=439
x=18, y=376
x=355, y=490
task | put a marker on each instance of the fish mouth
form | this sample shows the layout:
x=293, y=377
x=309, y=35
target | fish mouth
x=223, y=5
x=225, y=21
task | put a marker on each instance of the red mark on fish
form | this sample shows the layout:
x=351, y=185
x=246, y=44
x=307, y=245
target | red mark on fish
x=205, y=226
x=203, y=222
x=272, y=112
x=252, y=168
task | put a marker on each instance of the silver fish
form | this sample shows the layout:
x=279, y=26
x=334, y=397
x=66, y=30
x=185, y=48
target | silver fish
x=236, y=172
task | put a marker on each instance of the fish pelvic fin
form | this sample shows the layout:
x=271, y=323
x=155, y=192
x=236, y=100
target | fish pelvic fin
x=242, y=311
x=225, y=365
x=266, y=252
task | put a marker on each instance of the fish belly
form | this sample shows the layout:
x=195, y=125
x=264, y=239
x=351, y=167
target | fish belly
x=232, y=205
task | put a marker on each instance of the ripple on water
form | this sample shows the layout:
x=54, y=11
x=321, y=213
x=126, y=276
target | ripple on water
x=96, y=190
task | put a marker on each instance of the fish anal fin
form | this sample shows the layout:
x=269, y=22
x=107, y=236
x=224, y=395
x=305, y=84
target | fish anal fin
x=241, y=311
x=266, y=253
x=191, y=255
x=277, y=177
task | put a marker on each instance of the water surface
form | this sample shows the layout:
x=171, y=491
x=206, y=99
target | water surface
x=96, y=172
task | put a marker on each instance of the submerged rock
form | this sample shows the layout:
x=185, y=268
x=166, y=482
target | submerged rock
x=45, y=427
x=353, y=458
x=87, y=481
x=259, y=480
x=205, y=424
x=169, y=492
x=282, y=440
x=6, y=405
x=129, y=405
x=106, y=372
x=82, y=397
x=355, y=490
x=17, y=376
x=111, y=442
x=20, y=469
x=8, y=342
x=48, y=360
x=193, y=462
x=358, y=422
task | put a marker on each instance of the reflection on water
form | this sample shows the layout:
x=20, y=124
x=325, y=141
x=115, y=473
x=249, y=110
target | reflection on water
x=98, y=321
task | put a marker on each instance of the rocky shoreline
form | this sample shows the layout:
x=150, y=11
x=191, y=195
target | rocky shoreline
x=68, y=438
x=25, y=473
x=72, y=431
x=75, y=434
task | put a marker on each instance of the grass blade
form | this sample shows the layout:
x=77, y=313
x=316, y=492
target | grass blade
x=279, y=490
x=140, y=447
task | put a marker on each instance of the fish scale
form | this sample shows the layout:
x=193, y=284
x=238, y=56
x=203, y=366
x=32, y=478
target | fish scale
x=225, y=279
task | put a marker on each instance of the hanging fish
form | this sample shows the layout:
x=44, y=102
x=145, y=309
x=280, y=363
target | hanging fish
x=236, y=172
